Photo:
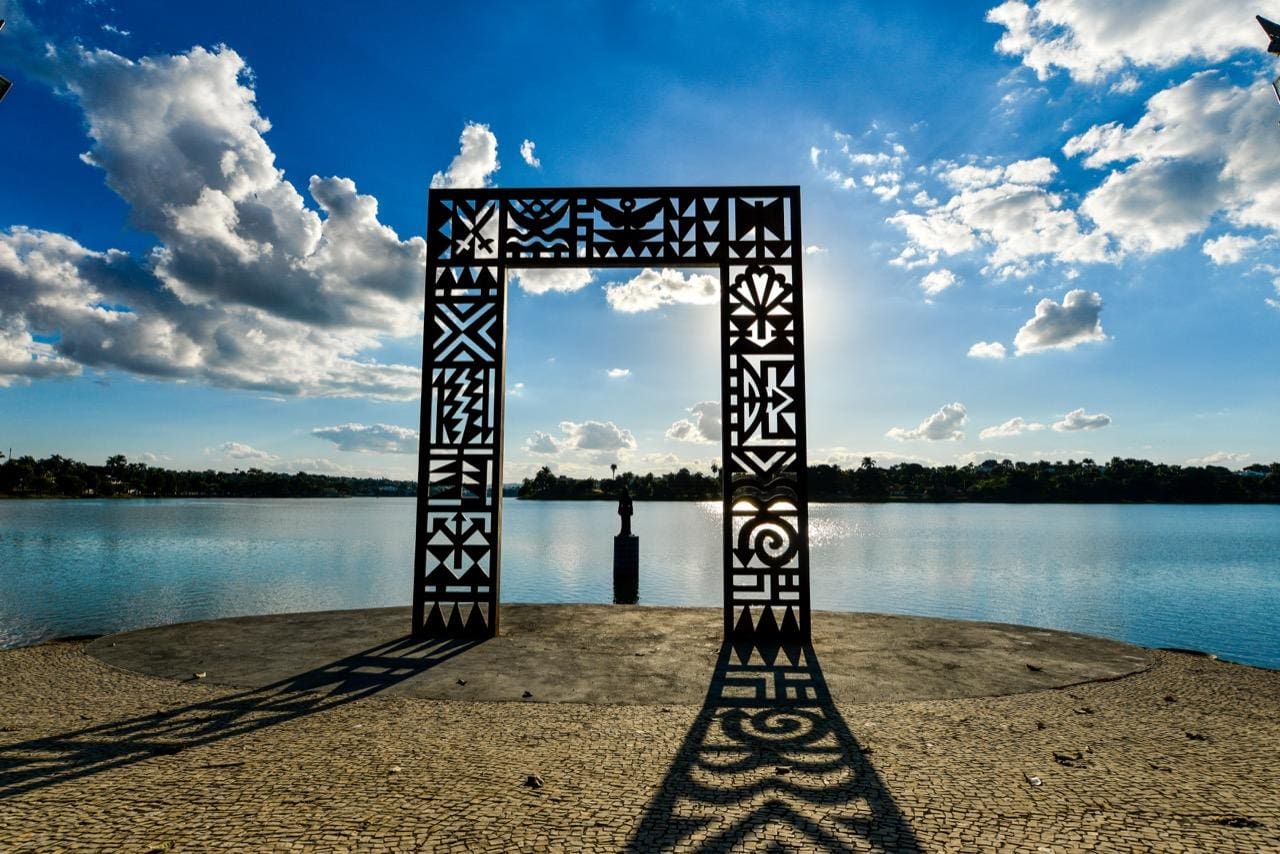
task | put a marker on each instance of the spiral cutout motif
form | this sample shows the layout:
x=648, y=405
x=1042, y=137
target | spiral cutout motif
x=770, y=537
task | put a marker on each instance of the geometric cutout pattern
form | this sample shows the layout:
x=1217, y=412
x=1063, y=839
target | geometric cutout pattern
x=673, y=225
x=463, y=405
x=459, y=573
x=766, y=546
x=752, y=234
x=459, y=477
x=460, y=461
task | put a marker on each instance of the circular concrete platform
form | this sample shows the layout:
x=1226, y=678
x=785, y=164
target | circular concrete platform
x=609, y=654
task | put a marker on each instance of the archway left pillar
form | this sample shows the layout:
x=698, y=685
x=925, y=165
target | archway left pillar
x=460, y=454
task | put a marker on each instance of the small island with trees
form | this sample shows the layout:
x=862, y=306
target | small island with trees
x=1084, y=481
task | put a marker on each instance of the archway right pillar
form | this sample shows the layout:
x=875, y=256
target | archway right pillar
x=764, y=458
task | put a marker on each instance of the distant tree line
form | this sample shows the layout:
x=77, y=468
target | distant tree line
x=1120, y=480
x=682, y=485
x=59, y=477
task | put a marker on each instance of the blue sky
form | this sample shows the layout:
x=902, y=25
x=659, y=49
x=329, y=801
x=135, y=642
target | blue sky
x=1036, y=230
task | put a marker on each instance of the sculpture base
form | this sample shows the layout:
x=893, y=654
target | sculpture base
x=626, y=569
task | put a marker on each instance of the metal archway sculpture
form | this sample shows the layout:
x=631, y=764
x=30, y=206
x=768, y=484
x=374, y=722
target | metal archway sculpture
x=752, y=235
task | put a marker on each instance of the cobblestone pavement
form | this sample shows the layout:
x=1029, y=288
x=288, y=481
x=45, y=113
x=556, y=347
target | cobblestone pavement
x=1182, y=757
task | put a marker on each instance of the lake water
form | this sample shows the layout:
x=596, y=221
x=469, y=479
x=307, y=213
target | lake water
x=1201, y=577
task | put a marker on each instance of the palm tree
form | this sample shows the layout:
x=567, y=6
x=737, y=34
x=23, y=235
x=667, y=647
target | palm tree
x=613, y=467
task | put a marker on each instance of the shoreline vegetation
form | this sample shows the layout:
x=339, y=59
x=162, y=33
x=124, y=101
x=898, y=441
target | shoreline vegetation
x=59, y=477
x=1078, y=482
x=1073, y=482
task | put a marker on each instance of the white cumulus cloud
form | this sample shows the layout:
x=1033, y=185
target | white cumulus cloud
x=241, y=451
x=1201, y=149
x=23, y=359
x=475, y=162
x=937, y=281
x=1078, y=419
x=1094, y=39
x=1062, y=326
x=600, y=442
x=703, y=424
x=542, y=443
x=553, y=279
x=847, y=164
x=600, y=436
x=248, y=287
x=653, y=289
x=618, y=373
x=1038, y=170
x=1007, y=211
x=987, y=350
x=1015, y=426
x=376, y=438
x=1221, y=458
x=972, y=177
x=526, y=153
x=943, y=425
x=1229, y=248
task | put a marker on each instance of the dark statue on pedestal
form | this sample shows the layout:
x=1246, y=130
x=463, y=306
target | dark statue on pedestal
x=626, y=556
x=625, y=510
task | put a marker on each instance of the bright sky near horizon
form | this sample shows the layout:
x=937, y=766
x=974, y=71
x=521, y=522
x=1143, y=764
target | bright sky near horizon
x=1040, y=229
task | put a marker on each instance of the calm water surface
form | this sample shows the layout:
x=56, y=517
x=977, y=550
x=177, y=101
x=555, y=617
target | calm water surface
x=1199, y=577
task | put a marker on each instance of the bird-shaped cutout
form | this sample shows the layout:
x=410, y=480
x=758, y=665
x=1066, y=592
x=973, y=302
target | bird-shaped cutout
x=628, y=238
x=627, y=215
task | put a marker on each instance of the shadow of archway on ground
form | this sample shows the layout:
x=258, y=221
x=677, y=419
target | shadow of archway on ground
x=45, y=761
x=770, y=760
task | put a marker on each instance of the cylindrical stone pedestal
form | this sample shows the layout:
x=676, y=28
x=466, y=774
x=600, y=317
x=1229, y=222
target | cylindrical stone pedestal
x=626, y=569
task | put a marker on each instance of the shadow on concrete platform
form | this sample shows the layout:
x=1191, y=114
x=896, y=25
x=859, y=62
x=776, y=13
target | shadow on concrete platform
x=40, y=762
x=770, y=760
